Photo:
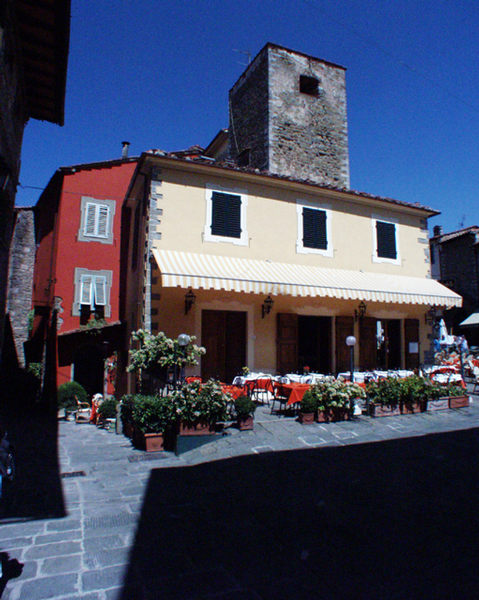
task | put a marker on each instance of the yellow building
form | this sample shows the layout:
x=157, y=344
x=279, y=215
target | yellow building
x=274, y=273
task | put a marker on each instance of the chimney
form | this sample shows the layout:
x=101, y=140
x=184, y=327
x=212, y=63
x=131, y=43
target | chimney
x=124, y=151
x=437, y=230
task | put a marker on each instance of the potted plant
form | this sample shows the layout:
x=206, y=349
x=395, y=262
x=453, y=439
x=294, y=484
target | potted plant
x=152, y=416
x=126, y=414
x=244, y=409
x=413, y=394
x=384, y=397
x=199, y=407
x=457, y=397
x=156, y=354
x=308, y=408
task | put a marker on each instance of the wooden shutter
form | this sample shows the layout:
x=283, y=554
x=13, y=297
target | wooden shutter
x=344, y=327
x=90, y=219
x=411, y=341
x=100, y=291
x=314, y=228
x=368, y=344
x=86, y=289
x=102, y=221
x=226, y=215
x=287, y=343
x=386, y=239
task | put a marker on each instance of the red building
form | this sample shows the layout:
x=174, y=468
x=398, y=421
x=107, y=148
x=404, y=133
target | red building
x=76, y=293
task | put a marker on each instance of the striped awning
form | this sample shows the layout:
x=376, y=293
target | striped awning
x=213, y=272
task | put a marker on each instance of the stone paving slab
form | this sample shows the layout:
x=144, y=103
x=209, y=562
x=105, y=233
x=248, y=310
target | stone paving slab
x=86, y=554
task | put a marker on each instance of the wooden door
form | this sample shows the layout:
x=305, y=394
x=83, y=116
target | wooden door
x=223, y=334
x=287, y=343
x=344, y=327
x=411, y=343
x=367, y=344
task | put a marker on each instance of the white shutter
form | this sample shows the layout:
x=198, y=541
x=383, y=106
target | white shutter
x=102, y=221
x=90, y=219
x=86, y=290
x=100, y=291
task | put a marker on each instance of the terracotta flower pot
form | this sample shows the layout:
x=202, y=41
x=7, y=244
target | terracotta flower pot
x=322, y=416
x=154, y=442
x=380, y=410
x=197, y=428
x=340, y=414
x=458, y=401
x=246, y=423
x=306, y=418
x=412, y=408
x=438, y=404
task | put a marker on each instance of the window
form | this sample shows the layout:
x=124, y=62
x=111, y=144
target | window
x=308, y=85
x=314, y=229
x=243, y=159
x=226, y=216
x=92, y=292
x=386, y=248
x=96, y=220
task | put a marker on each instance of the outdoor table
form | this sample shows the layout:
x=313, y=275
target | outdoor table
x=235, y=391
x=446, y=378
x=294, y=391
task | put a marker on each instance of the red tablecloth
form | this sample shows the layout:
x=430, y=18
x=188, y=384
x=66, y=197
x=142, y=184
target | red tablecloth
x=294, y=391
x=235, y=391
x=258, y=384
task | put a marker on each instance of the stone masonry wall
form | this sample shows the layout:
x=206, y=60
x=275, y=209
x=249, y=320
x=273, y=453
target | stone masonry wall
x=458, y=266
x=308, y=134
x=20, y=282
x=248, y=126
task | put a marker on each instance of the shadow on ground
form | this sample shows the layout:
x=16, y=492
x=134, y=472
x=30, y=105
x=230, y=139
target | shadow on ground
x=394, y=520
x=36, y=491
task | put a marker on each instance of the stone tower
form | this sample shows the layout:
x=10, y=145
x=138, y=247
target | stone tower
x=288, y=117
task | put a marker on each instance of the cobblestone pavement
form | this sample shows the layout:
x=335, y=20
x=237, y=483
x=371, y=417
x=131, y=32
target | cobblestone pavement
x=90, y=552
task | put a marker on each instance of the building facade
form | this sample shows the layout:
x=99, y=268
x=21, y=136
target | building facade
x=77, y=269
x=455, y=263
x=273, y=273
x=34, y=43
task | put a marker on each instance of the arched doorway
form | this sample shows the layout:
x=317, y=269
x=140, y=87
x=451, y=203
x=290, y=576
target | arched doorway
x=88, y=368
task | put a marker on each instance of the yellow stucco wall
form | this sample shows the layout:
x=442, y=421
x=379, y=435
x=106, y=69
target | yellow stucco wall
x=272, y=224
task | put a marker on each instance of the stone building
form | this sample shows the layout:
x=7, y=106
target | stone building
x=20, y=278
x=455, y=263
x=288, y=117
x=34, y=41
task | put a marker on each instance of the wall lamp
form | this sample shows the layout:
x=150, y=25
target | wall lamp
x=267, y=306
x=360, y=311
x=190, y=299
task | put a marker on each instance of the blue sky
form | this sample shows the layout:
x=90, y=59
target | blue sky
x=157, y=73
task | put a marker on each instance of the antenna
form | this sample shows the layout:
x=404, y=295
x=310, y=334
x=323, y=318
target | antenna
x=461, y=222
x=246, y=53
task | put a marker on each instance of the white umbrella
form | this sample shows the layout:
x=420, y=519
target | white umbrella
x=443, y=332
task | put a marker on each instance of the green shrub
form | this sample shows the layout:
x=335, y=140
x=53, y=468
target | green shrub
x=200, y=402
x=107, y=409
x=309, y=402
x=152, y=414
x=244, y=407
x=126, y=408
x=68, y=393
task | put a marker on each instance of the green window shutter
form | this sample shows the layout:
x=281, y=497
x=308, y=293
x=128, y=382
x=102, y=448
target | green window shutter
x=226, y=215
x=386, y=240
x=314, y=229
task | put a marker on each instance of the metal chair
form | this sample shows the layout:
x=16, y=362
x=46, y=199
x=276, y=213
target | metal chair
x=279, y=396
x=83, y=412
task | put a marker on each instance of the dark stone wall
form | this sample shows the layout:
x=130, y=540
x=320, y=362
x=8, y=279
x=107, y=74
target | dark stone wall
x=308, y=134
x=22, y=261
x=289, y=132
x=248, y=126
x=12, y=123
x=458, y=266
